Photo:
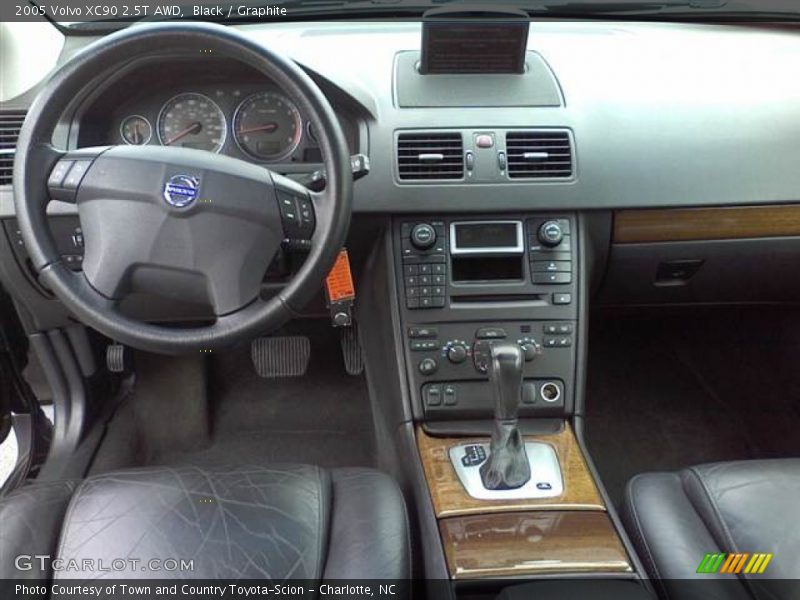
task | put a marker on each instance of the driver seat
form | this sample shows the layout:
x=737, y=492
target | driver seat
x=249, y=522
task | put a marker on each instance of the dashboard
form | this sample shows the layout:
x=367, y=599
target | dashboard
x=213, y=105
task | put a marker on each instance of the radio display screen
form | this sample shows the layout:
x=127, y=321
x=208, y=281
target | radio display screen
x=476, y=236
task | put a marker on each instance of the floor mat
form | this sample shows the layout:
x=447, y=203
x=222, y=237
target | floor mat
x=669, y=392
x=321, y=418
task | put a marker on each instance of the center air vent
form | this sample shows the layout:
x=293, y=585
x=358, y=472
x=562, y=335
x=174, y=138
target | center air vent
x=539, y=154
x=10, y=124
x=430, y=156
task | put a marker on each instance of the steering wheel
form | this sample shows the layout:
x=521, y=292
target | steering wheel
x=179, y=222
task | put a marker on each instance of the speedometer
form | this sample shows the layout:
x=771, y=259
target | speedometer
x=267, y=126
x=192, y=120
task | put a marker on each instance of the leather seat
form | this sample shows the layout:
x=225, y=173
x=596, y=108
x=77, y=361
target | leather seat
x=675, y=519
x=251, y=522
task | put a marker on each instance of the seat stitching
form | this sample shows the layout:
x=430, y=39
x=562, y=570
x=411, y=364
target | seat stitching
x=639, y=531
x=74, y=498
x=715, y=509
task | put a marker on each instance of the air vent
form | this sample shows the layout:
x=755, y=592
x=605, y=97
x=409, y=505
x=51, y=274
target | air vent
x=10, y=124
x=538, y=154
x=430, y=156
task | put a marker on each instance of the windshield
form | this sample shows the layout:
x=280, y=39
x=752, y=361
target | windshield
x=74, y=13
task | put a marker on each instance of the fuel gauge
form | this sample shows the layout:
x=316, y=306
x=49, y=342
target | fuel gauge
x=136, y=130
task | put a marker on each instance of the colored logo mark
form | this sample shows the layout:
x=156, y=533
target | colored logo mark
x=181, y=190
x=729, y=562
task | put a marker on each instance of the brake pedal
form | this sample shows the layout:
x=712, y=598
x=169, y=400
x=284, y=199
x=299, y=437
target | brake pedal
x=285, y=356
x=351, y=350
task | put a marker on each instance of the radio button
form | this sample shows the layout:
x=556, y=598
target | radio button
x=562, y=298
x=550, y=233
x=549, y=255
x=552, y=278
x=423, y=236
x=552, y=266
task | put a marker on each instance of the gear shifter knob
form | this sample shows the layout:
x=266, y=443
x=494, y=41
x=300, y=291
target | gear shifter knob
x=507, y=466
x=505, y=377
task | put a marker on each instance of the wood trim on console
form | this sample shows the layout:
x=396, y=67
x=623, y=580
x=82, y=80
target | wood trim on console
x=450, y=498
x=685, y=224
x=532, y=543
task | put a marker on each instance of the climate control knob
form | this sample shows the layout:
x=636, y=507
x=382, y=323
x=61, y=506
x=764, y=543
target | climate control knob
x=530, y=348
x=428, y=366
x=457, y=352
x=550, y=233
x=423, y=236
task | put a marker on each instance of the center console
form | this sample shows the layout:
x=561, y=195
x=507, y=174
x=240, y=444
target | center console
x=466, y=282
x=489, y=312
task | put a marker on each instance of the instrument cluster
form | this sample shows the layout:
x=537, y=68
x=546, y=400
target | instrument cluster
x=256, y=123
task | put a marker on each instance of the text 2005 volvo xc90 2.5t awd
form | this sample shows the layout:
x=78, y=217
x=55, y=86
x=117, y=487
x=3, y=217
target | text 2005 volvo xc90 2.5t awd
x=400, y=300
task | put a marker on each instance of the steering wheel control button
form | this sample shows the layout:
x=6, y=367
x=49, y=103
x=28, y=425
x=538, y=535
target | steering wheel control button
x=58, y=173
x=423, y=236
x=75, y=175
x=297, y=218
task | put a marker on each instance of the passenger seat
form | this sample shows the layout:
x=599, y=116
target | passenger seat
x=747, y=507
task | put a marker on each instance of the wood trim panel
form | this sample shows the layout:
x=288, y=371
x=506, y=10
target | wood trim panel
x=532, y=543
x=685, y=224
x=450, y=498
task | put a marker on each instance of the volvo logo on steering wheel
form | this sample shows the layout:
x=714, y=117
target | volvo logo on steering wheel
x=181, y=190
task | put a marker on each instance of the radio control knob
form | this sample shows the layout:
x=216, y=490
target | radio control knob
x=457, y=353
x=550, y=233
x=423, y=236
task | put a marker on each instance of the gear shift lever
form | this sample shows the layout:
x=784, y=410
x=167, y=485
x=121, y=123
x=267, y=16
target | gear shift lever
x=507, y=467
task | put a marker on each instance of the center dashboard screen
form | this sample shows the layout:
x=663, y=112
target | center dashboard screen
x=488, y=236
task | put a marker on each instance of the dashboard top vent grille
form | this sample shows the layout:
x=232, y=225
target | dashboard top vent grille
x=430, y=156
x=539, y=154
x=10, y=124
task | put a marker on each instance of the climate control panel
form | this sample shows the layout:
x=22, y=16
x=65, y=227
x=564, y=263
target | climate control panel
x=448, y=365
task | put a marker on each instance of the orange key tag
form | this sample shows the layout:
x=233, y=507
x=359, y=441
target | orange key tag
x=340, y=290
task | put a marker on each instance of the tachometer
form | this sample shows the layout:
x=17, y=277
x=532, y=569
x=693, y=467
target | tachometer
x=192, y=120
x=267, y=126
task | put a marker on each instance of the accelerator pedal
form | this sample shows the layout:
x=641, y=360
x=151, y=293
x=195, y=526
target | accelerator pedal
x=285, y=356
x=118, y=359
x=351, y=350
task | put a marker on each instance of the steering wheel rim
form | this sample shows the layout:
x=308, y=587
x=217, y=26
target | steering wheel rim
x=36, y=157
